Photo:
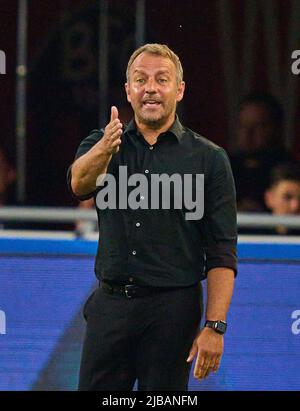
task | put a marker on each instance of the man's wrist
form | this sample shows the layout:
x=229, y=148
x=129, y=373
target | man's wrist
x=219, y=326
x=102, y=150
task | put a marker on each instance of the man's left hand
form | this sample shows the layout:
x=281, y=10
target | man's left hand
x=208, y=345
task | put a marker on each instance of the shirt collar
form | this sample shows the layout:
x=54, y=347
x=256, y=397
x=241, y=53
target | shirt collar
x=176, y=129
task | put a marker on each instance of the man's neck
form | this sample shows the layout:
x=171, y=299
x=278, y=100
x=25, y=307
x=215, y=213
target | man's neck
x=150, y=134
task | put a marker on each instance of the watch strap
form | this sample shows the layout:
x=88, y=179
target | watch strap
x=219, y=326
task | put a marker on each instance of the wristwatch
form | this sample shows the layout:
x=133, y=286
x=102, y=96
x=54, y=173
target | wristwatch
x=218, y=326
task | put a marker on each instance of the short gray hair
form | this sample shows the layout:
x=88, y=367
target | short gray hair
x=158, y=50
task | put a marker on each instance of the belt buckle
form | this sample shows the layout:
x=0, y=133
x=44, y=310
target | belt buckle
x=129, y=288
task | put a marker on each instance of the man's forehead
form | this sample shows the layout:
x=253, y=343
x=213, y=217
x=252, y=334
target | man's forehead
x=145, y=61
x=159, y=70
x=288, y=186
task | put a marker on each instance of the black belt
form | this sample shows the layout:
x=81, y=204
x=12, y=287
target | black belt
x=130, y=290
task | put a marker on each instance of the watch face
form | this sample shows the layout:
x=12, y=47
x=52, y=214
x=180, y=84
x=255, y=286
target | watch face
x=221, y=327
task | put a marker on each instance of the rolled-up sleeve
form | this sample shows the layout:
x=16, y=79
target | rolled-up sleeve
x=220, y=214
x=84, y=147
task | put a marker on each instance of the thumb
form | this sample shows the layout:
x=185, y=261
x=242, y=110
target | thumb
x=114, y=113
x=192, y=353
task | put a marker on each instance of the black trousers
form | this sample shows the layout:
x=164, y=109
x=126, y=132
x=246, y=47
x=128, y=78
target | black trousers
x=144, y=338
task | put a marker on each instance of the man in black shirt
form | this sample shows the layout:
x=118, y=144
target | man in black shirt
x=143, y=320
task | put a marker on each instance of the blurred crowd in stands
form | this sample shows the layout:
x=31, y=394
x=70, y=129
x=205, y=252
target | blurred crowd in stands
x=267, y=175
x=257, y=148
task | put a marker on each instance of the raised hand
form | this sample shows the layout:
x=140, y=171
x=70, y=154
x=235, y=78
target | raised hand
x=112, y=133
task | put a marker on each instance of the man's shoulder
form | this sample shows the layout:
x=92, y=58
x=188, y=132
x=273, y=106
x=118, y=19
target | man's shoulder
x=95, y=134
x=88, y=142
x=93, y=137
x=199, y=141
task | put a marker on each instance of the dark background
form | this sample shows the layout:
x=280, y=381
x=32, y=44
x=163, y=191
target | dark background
x=211, y=37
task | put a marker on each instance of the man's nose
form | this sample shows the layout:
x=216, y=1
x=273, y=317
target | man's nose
x=150, y=86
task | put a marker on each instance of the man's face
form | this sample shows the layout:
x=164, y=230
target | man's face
x=153, y=89
x=255, y=128
x=284, y=197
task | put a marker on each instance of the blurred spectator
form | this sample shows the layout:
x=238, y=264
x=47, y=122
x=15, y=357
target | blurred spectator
x=283, y=194
x=7, y=177
x=258, y=147
x=83, y=227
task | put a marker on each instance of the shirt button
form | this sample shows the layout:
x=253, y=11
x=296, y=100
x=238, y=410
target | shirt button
x=146, y=171
x=133, y=252
x=151, y=148
x=138, y=224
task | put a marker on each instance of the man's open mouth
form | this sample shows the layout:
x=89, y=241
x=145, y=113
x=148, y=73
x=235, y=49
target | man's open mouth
x=151, y=103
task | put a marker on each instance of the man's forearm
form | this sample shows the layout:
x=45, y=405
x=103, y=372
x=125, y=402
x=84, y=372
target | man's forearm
x=220, y=284
x=87, y=168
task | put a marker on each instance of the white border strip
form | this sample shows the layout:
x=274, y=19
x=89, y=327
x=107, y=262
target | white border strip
x=68, y=235
x=69, y=214
x=46, y=235
x=268, y=239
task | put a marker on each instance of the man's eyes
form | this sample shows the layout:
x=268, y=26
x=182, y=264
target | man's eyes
x=290, y=197
x=162, y=80
x=143, y=81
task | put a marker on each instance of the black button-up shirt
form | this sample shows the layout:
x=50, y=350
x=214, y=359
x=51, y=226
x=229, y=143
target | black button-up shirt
x=160, y=247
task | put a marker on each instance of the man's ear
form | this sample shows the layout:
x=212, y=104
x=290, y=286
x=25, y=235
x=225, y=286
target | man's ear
x=268, y=198
x=180, y=91
x=127, y=92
